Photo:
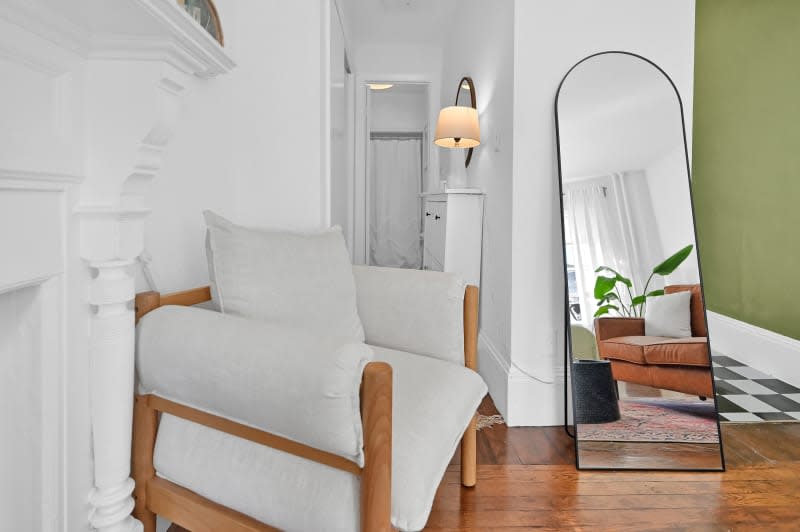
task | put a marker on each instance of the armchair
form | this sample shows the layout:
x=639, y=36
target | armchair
x=241, y=423
x=679, y=364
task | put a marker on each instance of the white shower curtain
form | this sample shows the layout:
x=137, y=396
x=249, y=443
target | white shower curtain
x=594, y=225
x=395, y=185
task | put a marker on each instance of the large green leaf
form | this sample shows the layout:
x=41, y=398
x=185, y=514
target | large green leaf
x=604, y=310
x=638, y=300
x=618, y=276
x=610, y=296
x=655, y=293
x=669, y=265
x=603, y=285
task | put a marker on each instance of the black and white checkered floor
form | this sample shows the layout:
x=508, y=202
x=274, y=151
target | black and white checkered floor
x=745, y=394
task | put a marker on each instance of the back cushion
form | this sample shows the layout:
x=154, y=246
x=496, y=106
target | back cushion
x=297, y=279
x=698, y=310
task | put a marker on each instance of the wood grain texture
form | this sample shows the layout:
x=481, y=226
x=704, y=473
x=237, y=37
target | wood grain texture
x=145, y=302
x=197, y=513
x=145, y=426
x=469, y=456
x=255, y=435
x=376, y=478
x=187, y=298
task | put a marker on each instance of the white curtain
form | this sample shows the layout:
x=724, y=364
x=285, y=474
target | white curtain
x=593, y=223
x=395, y=185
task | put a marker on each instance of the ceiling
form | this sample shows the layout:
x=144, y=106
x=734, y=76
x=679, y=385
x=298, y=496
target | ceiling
x=384, y=22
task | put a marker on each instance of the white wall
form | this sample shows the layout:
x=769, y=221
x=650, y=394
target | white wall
x=481, y=45
x=249, y=144
x=392, y=110
x=672, y=209
x=549, y=38
x=341, y=142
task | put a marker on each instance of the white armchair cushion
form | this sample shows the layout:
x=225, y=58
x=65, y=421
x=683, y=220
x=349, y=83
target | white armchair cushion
x=412, y=310
x=433, y=403
x=284, y=381
x=289, y=278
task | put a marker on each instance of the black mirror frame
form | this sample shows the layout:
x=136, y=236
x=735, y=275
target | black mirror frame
x=473, y=101
x=567, y=321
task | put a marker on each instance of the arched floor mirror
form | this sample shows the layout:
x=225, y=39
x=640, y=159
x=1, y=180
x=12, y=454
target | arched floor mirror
x=642, y=383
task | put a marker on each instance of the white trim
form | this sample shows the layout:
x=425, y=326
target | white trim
x=764, y=350
x=37, y=176
x=494, y=368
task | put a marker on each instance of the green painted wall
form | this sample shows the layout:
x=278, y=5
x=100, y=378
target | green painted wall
x=746, y=159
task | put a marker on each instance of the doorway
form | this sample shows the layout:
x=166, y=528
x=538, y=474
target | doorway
x=396, y=169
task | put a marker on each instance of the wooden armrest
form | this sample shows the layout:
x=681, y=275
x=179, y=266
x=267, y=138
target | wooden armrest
x=605, y=328
x=148, y=301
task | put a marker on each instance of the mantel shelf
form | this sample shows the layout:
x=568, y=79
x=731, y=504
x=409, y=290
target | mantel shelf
x=149, y=30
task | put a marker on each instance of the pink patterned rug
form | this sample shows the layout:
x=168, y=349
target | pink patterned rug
x=658, y=420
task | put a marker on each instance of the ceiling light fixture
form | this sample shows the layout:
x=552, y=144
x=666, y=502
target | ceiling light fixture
x=380, y=86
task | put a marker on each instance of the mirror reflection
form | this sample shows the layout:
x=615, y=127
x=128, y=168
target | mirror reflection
x=642, y=383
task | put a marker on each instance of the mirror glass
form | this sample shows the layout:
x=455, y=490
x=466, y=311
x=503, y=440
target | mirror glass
x=641, y=372
x=465, y=97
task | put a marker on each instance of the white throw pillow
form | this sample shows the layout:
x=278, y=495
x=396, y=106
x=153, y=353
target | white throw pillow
x=298, y=279
x=669, y=315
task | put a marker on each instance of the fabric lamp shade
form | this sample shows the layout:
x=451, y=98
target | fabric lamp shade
x=458, y=127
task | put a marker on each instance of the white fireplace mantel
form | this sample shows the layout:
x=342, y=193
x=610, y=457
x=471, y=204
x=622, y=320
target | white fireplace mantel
x=100, y=86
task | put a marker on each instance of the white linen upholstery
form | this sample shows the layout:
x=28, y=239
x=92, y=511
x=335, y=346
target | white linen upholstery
x=412, y=310
x=295, y=279
x=669, y=315
x=285, y=381
x=433, y=404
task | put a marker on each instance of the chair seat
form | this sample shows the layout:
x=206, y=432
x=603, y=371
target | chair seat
x=433, y=404
x=658, y=350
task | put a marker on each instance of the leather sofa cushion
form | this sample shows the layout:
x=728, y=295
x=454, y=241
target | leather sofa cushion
x=657, y=350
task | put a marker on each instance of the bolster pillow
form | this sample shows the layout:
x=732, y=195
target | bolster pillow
x=285, y=381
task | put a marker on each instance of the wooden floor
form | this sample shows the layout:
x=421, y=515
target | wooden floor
x=527, y=481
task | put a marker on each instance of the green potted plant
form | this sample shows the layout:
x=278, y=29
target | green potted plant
x=607, y=287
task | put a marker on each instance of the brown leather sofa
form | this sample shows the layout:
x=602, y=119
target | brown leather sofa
x=679, y=364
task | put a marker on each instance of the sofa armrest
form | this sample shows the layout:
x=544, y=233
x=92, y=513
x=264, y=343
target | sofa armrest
x=283, y=381
x=605, y=328
x=417, y=311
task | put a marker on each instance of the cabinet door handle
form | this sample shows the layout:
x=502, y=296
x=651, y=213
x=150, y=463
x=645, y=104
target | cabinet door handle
x=436, y=217
x=427, y=214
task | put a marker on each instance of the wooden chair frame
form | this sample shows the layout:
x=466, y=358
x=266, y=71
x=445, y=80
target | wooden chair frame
x=157, y=496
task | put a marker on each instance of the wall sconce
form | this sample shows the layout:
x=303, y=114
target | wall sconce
x=458, y=127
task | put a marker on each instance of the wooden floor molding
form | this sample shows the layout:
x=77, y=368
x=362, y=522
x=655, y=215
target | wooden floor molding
x=527, y=480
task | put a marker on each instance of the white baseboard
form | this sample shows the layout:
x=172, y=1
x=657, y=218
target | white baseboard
x=522, y=400
x=494, y=368
x=766, y=351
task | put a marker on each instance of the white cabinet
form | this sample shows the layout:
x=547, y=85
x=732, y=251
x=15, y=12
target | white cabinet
x=453, y=230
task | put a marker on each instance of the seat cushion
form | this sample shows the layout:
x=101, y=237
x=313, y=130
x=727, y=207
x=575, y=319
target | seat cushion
x=433, y=403
x=657, y=350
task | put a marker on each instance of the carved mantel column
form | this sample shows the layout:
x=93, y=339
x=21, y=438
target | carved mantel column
x=111, y=352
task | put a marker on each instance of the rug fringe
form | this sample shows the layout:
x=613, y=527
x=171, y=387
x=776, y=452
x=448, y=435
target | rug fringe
x=485, y=422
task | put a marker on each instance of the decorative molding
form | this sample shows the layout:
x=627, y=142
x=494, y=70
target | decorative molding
x=111, y=353
x=764, y=350
x=190, y=37
x=180, y=41
x=22, y=176
x=46, y=23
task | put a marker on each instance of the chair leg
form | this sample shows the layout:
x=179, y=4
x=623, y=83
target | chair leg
x=145, y=425
x=469, y=454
